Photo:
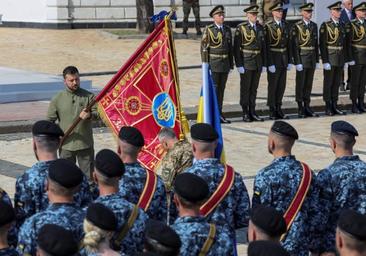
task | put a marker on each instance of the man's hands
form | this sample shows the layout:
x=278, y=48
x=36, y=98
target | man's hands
x=84, y=114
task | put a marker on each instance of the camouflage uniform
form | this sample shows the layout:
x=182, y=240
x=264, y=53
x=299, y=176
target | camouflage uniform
x=133, y=241
x=193, y=232
x=275, y=186
x=13, y=232
x=30, y=192
x=132, y=184
x=342, y=186
x=8, y=252
x=233, y=211
x=175, y=161
x=195, y=6
x=66, y=215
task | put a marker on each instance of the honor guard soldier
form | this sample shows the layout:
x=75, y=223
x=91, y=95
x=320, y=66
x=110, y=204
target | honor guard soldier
x=288, y=185
x=351, y=234
x=306, y=58
x=64, y=179
x=55, y=240
x=277, y=34
x=342, y=184
x=357, y=34
x=13, y=233
x=216, y=49
x=335, y=52
x=7, y=219
x=195, y=6
x=250, y=60
x=139, y=185
x=229, y=203
x=197, y=235
x=131, y=220
x=30, y=193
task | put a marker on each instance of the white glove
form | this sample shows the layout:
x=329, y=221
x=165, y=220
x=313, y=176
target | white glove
x=272, y=69
x=345, y=65
x=289, y=66
x=327, y=66
x=351, y=63
x=299, y=67
x=264, y=69
x=317, y=66
x=241, y=70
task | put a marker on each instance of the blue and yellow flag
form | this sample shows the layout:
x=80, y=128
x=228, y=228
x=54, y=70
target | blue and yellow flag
x=208, y=109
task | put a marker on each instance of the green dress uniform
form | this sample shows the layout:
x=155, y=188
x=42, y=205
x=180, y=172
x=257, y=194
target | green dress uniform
x=249, y=53
x=195, y=6
x=357, y=35
x=278, y=45
x=217, y=50
x=334, y=51
x=306, y=57
x=65, y=108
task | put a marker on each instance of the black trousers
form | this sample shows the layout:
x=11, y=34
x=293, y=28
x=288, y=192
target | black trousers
x=332, y=78
x=304, y=84
x=220, y=79
x=276, y=87
x=358, y=82
x=249, y=82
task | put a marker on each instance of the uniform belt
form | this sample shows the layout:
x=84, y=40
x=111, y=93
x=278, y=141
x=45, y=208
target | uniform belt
x=219, y=55
x=359, y=46
x=309, y=48
x=278, y=49
x=335, y=47
x=251, y=51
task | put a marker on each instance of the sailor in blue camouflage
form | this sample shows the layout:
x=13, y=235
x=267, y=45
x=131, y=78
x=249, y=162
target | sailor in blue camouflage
x=13, y=231
x=30, y=192
x=133, y=181
x=193, y=232
x=342, y=184
x=276, y=186
x=8, y=252
x=64, y=178
x=133, y=241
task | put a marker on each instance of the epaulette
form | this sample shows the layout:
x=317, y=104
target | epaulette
x=299, y=22
x=243, y=23
x=328, y=22
x=269, y=22
x=211, y=25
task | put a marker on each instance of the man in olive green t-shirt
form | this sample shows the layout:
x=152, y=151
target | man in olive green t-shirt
x=65, y=108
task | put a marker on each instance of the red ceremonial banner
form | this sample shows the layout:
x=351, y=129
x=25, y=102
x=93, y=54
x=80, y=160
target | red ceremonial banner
x=145, y=93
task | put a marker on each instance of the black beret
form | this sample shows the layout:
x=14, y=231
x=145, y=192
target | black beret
x=7, y=214
x=203, y=132
x=109, y=163
x=162, y=234
x=335, y=6
x=132, y=136
x=217, y=9
x=266, y=248
x=101, y=216
x=65, y=173
x=57, y=241
x=284, y=129
x=147, y=254
x=353, y=223
x=269, y=220
x=191, y=187
x=46, y=128
x=343, y=127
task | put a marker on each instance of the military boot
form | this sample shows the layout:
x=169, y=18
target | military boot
x=336, y=110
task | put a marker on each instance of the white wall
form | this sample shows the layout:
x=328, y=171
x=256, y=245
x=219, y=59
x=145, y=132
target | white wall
x=23, y=10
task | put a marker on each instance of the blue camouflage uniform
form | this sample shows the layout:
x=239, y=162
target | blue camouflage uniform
x=134, y=239
x=13, y=231
x=66, y=215
x=275, y=186
x=233, y=211
x=30, y=192
x=8, y=252
x=342, y=185
x=193, y=232
x=132, y=184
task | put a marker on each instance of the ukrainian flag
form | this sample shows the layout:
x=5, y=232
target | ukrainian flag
x=208, y=109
